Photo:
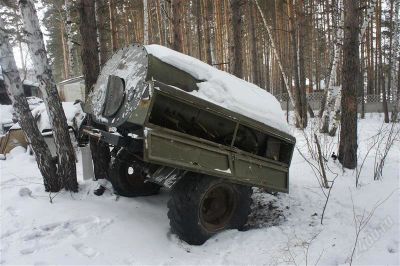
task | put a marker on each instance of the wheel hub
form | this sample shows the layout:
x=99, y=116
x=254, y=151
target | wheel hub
x=217, y=207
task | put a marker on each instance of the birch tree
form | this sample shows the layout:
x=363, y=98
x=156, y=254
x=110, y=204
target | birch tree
x=14, y=87
x=68, y=29
x=66, y=168
x=334, y=99
x=145, y=23
x=330, y=92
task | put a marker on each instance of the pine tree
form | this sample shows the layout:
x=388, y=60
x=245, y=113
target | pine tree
x=350, y=83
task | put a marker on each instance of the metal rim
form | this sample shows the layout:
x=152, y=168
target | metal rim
x=217, y=207
x=133, y=176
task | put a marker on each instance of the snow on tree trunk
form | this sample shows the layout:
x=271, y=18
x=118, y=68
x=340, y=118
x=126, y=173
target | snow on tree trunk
x=278, y=59
x=145, y=23
x=336, y=113
x=66, y=156
x=330, y=95
x=13, y=84
x=68, y=29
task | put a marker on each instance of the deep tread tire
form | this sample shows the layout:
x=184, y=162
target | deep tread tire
x=186, y=200
x=130, y=185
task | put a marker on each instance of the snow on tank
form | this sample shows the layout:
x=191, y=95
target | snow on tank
x=133, y=66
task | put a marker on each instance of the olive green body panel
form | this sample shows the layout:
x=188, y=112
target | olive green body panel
x=182, y=151
x=168, y=147
x=168, y=74
x=139, y=115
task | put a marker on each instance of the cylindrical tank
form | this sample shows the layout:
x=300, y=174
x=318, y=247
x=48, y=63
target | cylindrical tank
x=122, y=84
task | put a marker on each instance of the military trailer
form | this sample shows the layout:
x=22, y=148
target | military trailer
x=167, y=130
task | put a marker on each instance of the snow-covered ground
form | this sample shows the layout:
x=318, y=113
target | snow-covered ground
x=82, y=228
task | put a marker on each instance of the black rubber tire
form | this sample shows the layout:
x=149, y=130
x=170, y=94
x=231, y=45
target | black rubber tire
x=130, y=185
x=185, y=204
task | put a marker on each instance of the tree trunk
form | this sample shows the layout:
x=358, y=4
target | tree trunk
x=90, y=66
x=362, y=81
x=145, y=23
x=301, y=50
x=218, y=32
x=165, y=22
x=113, y=28
x=177, y=21
x=207, y=10
x=253, y=38
x=101, y=31
x=211, y=30
x=228, y=35
x=13, y=84
x=296, y=25
x=68, y=28
x=199, y=22
x=391, y=50
x=330, y=96
x=65, y=54
x=396, y=32
x=66, y=156
x=380, y=77
x=237, y=60
x=384, y=98
x=188, y=28
x=350, y=72
x=159, y=22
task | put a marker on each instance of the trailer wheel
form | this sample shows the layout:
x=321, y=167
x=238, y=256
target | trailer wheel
x=201, y=206
x=128, y=177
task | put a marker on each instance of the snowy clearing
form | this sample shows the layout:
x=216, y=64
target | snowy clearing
x=283, y=228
